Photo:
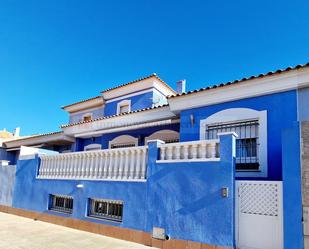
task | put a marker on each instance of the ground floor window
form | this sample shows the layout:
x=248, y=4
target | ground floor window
x=106, y=209
x=247, y=143
x=61, y=203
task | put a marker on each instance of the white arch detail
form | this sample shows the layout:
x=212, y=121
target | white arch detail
x=164, y=135
x=123, y=139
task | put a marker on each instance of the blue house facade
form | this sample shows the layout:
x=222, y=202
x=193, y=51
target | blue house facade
x=210, y=168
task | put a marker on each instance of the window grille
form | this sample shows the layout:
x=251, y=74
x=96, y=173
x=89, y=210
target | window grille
x=61, y=203
x=116, y=146
x=106, y=209
x=246, y=144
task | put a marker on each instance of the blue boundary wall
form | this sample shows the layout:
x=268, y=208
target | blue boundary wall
x=292, y=198
x=183, y=198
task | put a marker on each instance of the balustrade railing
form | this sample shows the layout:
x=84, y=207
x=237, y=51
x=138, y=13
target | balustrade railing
x=202, y=150
x=118, y=164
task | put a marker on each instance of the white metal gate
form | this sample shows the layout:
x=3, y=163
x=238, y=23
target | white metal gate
x=259, y=222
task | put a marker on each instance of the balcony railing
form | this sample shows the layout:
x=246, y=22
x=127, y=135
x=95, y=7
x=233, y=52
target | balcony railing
x=202, y=150
x=112, y=164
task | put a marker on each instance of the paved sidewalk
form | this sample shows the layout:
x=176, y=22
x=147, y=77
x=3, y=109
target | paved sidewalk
x=21, y=233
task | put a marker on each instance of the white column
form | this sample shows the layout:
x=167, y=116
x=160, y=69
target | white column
x=115, y=165
x=177, y=152
x=143, y=159
x=186, y=151
x=138, y=160
x=169, y=152
x=203, y=150
x=106, y=164
x=194, y=151
x=126, y=164
x=162, y=153
x=213, y=149
x=121, y=164
x=132, y=165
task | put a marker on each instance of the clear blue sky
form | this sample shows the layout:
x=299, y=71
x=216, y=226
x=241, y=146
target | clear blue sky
x=57, y=52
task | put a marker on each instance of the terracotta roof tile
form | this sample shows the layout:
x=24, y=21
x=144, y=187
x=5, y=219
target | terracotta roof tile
x=240, y=80
x=144, y=78
x=82, y=101
x=112, y=116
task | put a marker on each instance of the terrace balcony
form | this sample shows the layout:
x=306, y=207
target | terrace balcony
x=123, y=164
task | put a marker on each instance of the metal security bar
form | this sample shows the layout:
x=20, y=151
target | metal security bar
x=246, y=143
x=61, y=203
x=106, y=209
x=116, y=146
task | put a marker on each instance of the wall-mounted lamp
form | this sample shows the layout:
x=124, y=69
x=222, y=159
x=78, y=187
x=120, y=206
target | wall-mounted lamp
x=80, y=186
x=192, y=121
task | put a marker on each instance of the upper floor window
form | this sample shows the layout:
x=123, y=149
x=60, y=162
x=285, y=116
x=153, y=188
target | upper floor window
x=87, y=117
x=124, y=106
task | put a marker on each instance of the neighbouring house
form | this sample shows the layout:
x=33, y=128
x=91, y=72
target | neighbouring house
x=219, y=167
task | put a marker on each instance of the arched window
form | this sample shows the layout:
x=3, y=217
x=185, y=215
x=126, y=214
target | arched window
x=123, y=141
x=93, y=147
x=250, y=126
x=168, y=136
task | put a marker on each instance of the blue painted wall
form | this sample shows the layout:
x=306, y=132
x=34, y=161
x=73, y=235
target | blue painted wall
x=96, y=113
x=11, y=156
x=281, y=113
x=138, y=102
x=292, y=198
x=183, y=198
x=141, y=134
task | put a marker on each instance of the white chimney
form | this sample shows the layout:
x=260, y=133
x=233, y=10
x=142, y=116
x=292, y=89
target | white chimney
x=181, y=86
x=17, y=132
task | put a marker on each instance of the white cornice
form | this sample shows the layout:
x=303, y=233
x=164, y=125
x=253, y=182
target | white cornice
x=122, y=121
x=251, y=88
x=93, y=103
x=39, y=140
x=138, y=86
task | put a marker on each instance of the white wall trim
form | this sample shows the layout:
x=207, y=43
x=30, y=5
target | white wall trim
x=86, y=110
x=251, y=88
x=93, y=147
x=93, y=103
x=163, y=135
x=123, y=139
x=239, y=114
x=151, y=82
x=122, y=103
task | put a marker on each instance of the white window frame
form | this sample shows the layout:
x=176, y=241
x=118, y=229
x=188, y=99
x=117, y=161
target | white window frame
x=163, y=135
x=93, y=147
x=238, y=115
x=123, y=139
x=123, y=103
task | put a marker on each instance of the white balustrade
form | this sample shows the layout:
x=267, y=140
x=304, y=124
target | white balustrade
x=202, y=150
x=113, y=164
